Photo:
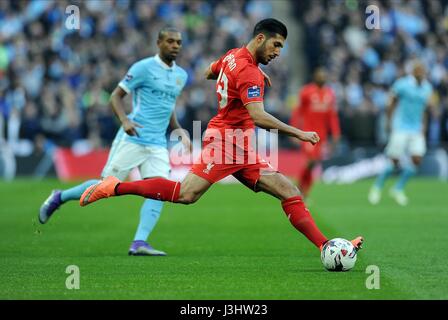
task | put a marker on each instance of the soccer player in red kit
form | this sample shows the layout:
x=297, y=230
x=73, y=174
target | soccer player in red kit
x=240, y=89
x=316, y=111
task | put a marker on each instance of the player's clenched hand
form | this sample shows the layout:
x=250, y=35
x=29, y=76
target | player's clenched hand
x=131, y=127
x=309, y=136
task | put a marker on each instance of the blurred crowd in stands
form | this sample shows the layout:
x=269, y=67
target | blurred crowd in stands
x=363, y=63
x=55, y=82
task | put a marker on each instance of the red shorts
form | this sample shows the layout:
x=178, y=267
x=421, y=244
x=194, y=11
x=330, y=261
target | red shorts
x=219, y=160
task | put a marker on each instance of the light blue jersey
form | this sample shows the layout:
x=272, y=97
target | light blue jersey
x=412, y=101
x=155, y=87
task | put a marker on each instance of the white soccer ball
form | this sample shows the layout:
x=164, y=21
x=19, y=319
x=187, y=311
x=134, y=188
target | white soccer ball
x=338, y=255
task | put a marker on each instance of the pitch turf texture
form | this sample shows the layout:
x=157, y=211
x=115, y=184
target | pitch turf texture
x=232, y=244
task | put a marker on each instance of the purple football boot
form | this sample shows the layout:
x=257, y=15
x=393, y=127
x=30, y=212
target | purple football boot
x=50, y=205
x=142, y=248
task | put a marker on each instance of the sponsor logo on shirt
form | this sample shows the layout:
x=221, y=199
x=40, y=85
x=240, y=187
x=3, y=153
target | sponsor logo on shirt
x=128, y=77
x=170, y=96
x=254, y=92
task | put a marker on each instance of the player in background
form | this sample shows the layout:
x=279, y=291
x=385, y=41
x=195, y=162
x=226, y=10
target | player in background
x=316, y=111
x=406, y=124
x=240, y=90
x=154, y=83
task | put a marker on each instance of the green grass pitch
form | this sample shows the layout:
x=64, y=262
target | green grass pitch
x=232, y=244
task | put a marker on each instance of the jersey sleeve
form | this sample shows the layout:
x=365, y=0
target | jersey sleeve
x=134, y=77
x=250, y=85
x=215, y=67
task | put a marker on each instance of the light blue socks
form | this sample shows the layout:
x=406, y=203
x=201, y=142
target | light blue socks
x=379, y=183
x=76, y=192
x=149, y=215
x=409, y=171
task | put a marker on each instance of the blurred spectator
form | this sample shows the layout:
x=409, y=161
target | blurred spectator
x=364, y=63
x=64, y=77
x=60, y=79
x=30, y=126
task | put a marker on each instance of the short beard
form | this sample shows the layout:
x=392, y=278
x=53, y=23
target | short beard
x=260, y=54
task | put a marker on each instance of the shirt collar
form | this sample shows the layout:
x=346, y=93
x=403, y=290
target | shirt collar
x=163, y=64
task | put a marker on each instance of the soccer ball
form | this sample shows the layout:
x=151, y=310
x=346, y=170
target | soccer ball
x=338, y=255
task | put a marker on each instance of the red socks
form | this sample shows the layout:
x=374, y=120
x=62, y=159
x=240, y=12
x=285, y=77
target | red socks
x=167, y=190
x=300, y=218
x=157, y=189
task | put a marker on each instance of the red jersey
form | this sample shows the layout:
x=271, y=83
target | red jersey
x=239, y=82
x=317, y=111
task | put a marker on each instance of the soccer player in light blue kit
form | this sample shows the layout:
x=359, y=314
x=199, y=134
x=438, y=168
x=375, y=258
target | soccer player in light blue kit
x=155, y=83
x=409, y=99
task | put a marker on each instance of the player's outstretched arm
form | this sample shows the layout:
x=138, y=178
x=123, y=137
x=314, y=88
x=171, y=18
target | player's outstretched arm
x=267, y=121
x=116, y=103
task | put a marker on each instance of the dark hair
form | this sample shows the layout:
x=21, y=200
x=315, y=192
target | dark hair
x=270, y=27
x=165, y=30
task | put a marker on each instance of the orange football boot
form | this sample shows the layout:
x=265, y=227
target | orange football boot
x=103, y=189
x=357, y=242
